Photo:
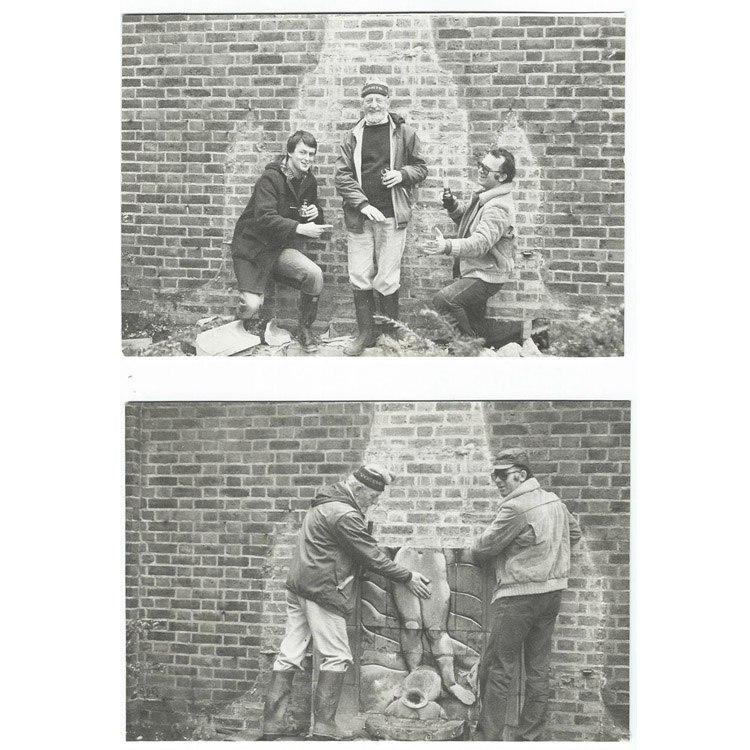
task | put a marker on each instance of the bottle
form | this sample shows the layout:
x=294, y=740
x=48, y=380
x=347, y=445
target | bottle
x=449, y=200
x=305, y=205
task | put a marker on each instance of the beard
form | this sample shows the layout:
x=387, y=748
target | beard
x=372, y=118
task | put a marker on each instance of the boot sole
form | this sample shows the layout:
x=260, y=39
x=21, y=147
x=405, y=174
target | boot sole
x=368, y=345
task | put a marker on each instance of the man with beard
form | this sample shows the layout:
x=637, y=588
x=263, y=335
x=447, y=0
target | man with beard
x=333, y=544
x=380, y=162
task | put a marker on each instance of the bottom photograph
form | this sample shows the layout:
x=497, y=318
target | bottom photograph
x=365, y=570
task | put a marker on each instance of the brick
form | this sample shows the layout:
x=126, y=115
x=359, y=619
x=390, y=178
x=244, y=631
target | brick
x=562, y=75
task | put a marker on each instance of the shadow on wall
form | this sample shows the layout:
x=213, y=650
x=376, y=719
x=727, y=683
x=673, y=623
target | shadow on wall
x=226, y=619
x=427, y=97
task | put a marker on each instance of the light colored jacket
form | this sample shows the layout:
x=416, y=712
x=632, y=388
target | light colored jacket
x=530, y=540
x=486, y=243
x=406, y=156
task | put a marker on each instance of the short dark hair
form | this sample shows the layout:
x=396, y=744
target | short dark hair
x=509, y=163
x=300, y=135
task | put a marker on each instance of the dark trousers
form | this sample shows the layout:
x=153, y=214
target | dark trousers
x=465, y=302
x=518, y=622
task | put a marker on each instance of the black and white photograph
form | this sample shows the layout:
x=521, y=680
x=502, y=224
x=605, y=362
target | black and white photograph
x=366, y=570
x=373, y=184
x=393, y=538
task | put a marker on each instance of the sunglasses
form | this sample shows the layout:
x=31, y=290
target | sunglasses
x=502, y=473
x=484, y=170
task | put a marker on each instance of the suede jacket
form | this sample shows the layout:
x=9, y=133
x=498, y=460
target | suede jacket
x=486, y=243
x=269, y=222
x=332, y=543
x=406, y=156
x=530, y=542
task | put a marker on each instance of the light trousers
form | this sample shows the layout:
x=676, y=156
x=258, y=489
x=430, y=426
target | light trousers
x=305, y=620
x=375, y=256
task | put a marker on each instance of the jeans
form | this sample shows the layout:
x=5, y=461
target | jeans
x=375, y=256
x=518, y=622
x=304, y=620
x=465, y=302
x=292, y=266
x=289, y=266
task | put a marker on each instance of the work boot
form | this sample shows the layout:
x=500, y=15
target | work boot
x=364, y=305
x=275, y=724
x=389, y=308
x=325, y=705
x=308, y=311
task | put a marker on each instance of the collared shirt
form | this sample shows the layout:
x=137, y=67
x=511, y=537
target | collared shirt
x=289, y=173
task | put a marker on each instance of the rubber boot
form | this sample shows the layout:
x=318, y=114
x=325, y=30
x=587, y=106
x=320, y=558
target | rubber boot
x=364, y=305
x=308, y=312
x=325, y=705
x=253, y=322
x=275, y=725
x=389, y=308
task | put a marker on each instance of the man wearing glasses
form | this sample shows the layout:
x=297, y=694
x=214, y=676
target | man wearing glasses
x=484, y=247
x=529, y=542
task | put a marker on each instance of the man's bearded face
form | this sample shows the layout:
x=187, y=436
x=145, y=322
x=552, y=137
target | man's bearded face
x=375, y=107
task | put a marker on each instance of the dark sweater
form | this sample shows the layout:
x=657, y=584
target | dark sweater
x=376, y=156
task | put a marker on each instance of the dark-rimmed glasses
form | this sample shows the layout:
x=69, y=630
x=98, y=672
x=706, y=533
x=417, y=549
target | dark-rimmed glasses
x=502, y=473
x=484, y=170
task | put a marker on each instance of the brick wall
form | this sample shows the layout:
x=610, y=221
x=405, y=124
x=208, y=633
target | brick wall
x=216, y=493
x=208, y=100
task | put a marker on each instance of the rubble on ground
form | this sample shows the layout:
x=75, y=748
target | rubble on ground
x=224, y=335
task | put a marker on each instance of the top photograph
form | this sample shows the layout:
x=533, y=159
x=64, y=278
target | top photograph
x=373, y=185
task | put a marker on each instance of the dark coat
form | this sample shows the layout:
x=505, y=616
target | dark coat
x=269, y=222
x=332, y=542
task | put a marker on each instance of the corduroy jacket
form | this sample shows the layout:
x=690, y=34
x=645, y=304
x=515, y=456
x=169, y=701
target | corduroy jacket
x=406, y=156
x=332, y=543
x=486, y=243
x=530, y=541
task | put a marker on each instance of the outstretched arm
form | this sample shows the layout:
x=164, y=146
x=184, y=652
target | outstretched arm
x=493, y=224
x=498, y=535
x=351, y=533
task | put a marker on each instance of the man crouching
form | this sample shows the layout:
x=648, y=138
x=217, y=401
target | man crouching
x=484, y=247
x=283, y=207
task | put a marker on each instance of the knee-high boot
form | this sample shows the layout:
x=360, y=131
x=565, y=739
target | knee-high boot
x=308, y=312
x=275, y=723
x=364, y=305
x=326, y=703
x=389, y=307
